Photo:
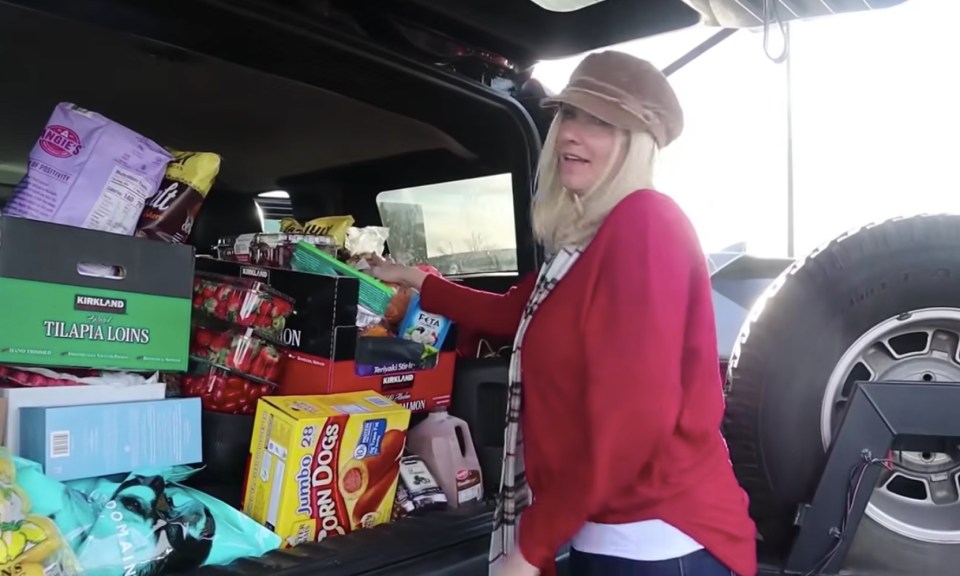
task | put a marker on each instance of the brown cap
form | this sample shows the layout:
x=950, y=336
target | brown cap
x=626, y=92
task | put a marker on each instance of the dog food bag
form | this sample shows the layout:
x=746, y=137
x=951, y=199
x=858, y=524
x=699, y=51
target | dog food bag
x=88, y=171
x=170, y=213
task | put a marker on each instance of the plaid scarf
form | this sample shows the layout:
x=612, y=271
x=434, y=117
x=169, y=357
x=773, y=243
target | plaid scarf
x=515, y=495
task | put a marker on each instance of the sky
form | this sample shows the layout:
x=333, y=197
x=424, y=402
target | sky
x=875, y=119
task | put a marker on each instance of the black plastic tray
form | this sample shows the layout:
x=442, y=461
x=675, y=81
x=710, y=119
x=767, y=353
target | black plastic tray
x=440, y=541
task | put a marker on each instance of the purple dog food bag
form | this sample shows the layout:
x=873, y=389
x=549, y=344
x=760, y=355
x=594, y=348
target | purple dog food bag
x=88, y=171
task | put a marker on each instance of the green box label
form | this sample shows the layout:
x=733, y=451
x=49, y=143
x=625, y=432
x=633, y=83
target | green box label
x=62, y=325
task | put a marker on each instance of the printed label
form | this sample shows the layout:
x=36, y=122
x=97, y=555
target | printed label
x=62, y=325
x=98, y=304
x=371, y=437
x=60, y=141
x=120, y=204
x=326, y=504
x=397, y=381
x=469, y=486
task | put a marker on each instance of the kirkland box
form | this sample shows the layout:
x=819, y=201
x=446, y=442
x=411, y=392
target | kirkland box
x=74, y=442
x=326, y=356
x=321, y=466
x=53, y=315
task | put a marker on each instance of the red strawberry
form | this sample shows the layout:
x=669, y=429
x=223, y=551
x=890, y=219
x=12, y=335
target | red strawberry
x=203, y=337
x=266, y=362
x=241, y=354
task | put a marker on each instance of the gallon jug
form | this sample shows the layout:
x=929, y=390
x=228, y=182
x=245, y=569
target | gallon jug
x=445, y=445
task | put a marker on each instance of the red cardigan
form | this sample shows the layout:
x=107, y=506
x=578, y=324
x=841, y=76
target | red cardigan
x=622, y=402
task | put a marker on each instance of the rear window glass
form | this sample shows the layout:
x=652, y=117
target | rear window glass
x=464, y=227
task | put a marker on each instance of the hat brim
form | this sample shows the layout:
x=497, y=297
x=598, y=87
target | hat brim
x=611, y=112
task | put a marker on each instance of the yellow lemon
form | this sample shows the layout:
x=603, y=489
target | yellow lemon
x=16, y=543
x=31, y=569
x=33, y=533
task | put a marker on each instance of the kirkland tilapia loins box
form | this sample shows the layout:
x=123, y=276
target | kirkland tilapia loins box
x=55, y=312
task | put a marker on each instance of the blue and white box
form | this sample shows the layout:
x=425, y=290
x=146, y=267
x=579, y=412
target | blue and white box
x=95, y=440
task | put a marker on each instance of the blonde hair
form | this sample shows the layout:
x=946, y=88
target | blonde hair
x=560, y=217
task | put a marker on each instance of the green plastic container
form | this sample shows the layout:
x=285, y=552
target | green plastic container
x=374, y=295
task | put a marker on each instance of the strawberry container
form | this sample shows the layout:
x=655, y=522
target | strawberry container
x=237, y=349
x=223, y=390
x=39, y=378
x=242, y=302
x=269, y=249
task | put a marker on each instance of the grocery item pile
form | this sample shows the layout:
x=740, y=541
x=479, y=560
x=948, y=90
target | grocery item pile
x=126, y=358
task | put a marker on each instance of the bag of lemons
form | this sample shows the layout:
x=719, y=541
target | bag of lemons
x=30, y=544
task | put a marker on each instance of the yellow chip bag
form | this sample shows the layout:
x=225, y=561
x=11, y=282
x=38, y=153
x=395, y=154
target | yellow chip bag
x=333, y=226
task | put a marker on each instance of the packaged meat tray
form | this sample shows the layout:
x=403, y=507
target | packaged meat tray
x=221, y=389
x=242, y=302
x=273, y=250
x=237, y=349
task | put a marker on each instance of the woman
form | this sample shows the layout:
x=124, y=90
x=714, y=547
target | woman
x=620, y=451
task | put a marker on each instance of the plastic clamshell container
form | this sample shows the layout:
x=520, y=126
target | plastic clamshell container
x=242, y=302
x=270, y=249
x=221, y=389
x=237, y=349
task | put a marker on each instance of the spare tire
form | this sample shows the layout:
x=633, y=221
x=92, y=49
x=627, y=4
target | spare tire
x=881, y=303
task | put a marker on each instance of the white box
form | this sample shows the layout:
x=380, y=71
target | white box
x=17, y=398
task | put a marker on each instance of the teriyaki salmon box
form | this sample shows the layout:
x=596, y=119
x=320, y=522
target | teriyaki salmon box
x=322, y=466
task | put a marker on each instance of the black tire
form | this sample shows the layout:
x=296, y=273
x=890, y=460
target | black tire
x=790, y=345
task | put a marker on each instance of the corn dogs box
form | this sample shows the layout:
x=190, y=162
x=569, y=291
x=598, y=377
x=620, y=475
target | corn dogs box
x=322, y=466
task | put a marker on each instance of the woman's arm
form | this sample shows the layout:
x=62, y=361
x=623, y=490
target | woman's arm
x=488, y=313
x=633, y=333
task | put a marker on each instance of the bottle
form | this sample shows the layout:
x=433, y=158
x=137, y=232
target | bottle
x=445, y=445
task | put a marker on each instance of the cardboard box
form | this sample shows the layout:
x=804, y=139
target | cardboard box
x=55, y=316
x=322, y=341
x=415, y=389
x=322, y=466
x=74, y=442
x=18, y=398
x=322, y=302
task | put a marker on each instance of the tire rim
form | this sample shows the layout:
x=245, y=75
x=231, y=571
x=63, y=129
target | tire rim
x=919, y=496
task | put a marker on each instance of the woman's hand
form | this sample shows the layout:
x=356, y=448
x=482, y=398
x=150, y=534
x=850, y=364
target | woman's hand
x=395, y=273
x=517, y=565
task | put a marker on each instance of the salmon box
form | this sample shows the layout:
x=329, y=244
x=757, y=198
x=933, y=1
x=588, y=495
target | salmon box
x=323, y=466
x=417, y=388
x=56, y=312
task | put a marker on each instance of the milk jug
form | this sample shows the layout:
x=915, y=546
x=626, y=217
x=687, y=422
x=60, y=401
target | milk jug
x=445, y=445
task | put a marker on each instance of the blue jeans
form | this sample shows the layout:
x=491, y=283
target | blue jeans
x=700, y=563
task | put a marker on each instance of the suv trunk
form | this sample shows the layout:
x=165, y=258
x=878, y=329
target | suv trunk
x=334, y=104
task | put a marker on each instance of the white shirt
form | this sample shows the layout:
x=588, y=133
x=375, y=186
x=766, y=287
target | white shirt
x=648, y=540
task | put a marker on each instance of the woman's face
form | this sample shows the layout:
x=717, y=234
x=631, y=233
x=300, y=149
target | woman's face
x=585, y=146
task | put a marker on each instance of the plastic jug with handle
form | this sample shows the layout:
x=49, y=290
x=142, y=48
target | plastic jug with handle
x=445, y=445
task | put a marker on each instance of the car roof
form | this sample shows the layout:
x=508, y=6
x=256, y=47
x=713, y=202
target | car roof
x=529, y=30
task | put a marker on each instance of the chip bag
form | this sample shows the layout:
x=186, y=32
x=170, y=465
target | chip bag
x=30, y=544
x=170, y=213
x=333, y=226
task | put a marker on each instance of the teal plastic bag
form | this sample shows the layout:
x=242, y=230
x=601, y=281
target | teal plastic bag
x=144, y=524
